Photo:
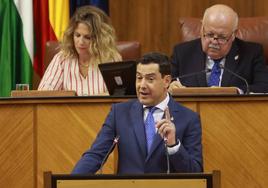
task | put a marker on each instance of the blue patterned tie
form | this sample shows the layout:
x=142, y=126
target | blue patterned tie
x=214, y=78
x=150, y=127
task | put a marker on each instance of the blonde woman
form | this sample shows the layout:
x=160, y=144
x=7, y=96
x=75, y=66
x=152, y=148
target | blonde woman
x=88, y=41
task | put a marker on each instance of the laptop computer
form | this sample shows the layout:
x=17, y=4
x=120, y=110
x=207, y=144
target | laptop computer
x=120, y=77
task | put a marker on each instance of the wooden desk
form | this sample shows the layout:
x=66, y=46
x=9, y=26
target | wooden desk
x=43, y=134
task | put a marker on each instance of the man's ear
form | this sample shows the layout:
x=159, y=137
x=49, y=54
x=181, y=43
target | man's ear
x=235, y=33
x=167, y=80
x=201, y=29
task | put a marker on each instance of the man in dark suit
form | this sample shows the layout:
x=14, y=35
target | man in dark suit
x=149, y=127
x=217, y=48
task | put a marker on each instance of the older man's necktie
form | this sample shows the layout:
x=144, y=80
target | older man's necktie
x=214, y=79
x=150, y=127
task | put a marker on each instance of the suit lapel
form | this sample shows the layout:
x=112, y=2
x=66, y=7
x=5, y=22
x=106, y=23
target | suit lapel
x=138, y=124
x=231, y=62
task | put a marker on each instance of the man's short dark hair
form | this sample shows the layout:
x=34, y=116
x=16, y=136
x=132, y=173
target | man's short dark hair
x=158, y=58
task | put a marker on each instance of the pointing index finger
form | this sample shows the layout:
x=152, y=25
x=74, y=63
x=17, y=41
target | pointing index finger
x=167, y=114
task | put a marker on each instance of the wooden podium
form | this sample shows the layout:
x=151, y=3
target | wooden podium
x=40, y=93
x=205, y=91
x=176, y=180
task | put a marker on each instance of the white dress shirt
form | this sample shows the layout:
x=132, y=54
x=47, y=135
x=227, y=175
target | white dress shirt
x=63, y=74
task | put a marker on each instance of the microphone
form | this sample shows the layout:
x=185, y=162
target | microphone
x=115, y=141
x=236, y=75
x=194, y=73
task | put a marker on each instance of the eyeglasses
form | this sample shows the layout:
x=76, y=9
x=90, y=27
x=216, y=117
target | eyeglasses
x=220, y=38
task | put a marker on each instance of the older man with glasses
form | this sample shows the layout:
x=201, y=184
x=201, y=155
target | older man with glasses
x=218, y=58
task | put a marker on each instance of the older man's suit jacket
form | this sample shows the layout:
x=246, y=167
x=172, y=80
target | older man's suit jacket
x=244, y=58
x=126, y=120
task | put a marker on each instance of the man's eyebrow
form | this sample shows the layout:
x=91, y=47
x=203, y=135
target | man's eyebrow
x=149, y=74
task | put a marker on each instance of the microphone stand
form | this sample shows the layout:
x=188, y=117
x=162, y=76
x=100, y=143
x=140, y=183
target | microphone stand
x=194, y=73
x=240, y=77
x=115, y=141
x=167, y=155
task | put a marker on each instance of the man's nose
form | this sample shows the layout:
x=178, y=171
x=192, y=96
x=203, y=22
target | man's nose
x=143, y=82
x=215, y=39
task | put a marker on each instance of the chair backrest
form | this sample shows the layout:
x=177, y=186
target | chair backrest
x=253, y=29
x=128, y=50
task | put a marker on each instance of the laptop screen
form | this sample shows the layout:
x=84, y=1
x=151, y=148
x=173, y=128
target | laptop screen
x=120, y=77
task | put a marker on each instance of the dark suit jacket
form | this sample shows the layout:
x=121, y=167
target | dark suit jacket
x=126, y=120
x=245, y=59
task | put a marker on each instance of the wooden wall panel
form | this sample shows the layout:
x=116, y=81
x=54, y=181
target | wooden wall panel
x=152, y=22
x=155, y=22
x=16, y=146
x=260, y=8
x=237, y=149
x=244, y=8
x=65, y=132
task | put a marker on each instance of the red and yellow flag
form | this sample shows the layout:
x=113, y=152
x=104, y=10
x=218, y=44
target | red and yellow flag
x=50, y=20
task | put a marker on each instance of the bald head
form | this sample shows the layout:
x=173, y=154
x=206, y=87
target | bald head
x=221, y=14
x=218, y=31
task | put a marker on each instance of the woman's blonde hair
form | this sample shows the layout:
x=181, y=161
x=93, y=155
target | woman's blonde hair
x=102, y=46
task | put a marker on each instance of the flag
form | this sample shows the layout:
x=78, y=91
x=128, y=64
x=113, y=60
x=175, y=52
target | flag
x=16, y=47
x=50, y=20
x=59, y=16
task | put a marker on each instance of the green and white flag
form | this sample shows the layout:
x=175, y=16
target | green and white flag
x=16, y=44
